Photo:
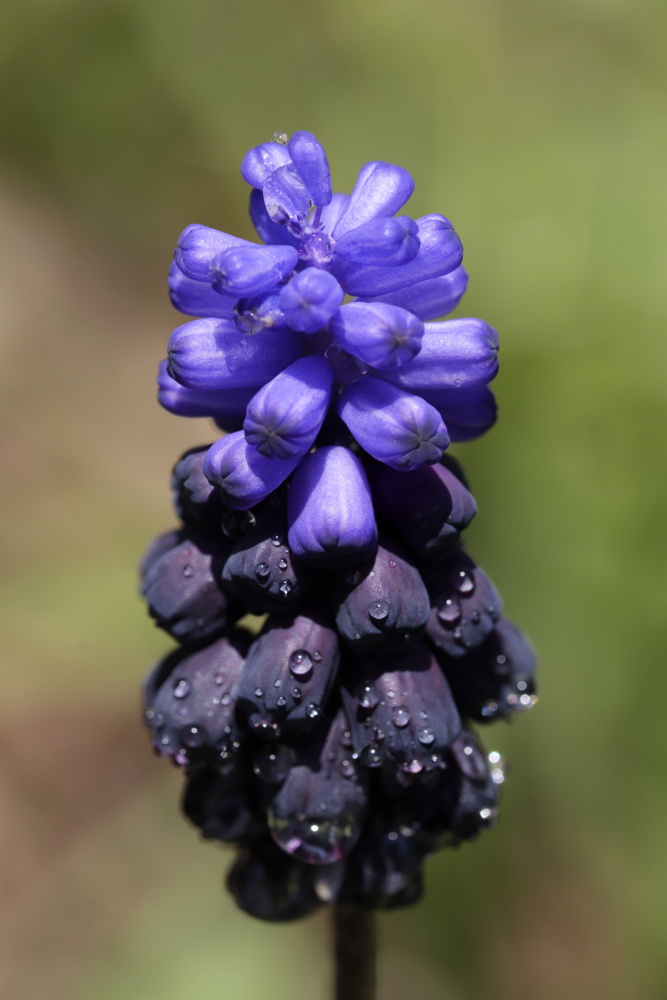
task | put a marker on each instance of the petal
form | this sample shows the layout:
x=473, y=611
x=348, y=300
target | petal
x=455, y=354
x=388, y=242
x=332, y=212
x=466, y=605
x=247, y=271
x=270, y=232
x=195, y=501
x=329, y=510
x=468, y=413
x=213, y=354
x=284, y=417
x=285, y=195
x=197, y=298
x=432, y=298
x=395, y=427
x=309, y=299
x=259, y=162
x=198, y=245
x=381, y=189
x=382, y=335
x=244, y=476
x=268, y=885
x=220, y=804
x=440, y=252
x=310, y=160
x=227, y=405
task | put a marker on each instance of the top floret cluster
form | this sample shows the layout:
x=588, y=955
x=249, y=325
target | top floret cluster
x=283, y=362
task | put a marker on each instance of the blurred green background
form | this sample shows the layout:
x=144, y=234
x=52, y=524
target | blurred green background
x=540, y=130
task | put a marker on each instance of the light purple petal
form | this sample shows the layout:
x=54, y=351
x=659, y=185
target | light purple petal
x=251, y=270
x=309, y=299
x=310, y=160
x=228, y=407
x=381, y=189
x=468, y=413
x=243, y=475
x=196, y=298
x=285, y=195
x=381, y=242
x=382, y=335
x=269, y=232
x=260, y=162
x=432, y=298
x=198, y=245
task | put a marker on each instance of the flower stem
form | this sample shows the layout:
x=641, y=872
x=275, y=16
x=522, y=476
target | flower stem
x=354, y=953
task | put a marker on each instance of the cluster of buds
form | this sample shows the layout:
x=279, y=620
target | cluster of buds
x=334, y=746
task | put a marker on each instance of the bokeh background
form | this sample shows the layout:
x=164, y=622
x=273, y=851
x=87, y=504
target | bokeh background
x=539, y=129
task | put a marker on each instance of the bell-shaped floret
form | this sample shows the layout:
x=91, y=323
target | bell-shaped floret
x=269, y=232
x=381, y=189
x=219, y=804
x=384, y=871
x=310, y=159
x=286, y=196
x=317, y=814
x=195, y=500
x=227, y=407
x=197, y=298
x=251, y=270
x=400, y=710
x=181, y=586
x=289, y=673
x=213, y=354
x=189, y=701
x=382, y=335
x=495, y=680
x=309, y=299
x=261, y=570
x=466, y=605
x=382, y=603
x=244, y=476
x=440, y=252
x=198, y=245
x=259, y=313
x=259, y=162
x=284, y=417
x=383, y=242
x=468, y=413
x=268, y=885
x=427, y=508
x=430, y=299
x=329, y=509
x=397, y=428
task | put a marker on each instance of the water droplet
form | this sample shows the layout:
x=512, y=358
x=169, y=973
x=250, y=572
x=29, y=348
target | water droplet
x=313, y=710
x=521, y=686
x=300, y=663
x=475, y=616
x=148, y=714
x=262, y=571
x=426, y=737
x=281, y=701
x=400, y=717
x=281, y=138
x=277, y=683
x=450, y=611
x=272, y=763
x=285, y=587
x=277, y=540
x=378, y=610
x=489, y=709
x=317, y=656
x=470, y=759
x=379, y=735
x=258, y=692
x=314, y=839
x=347, y=768
x=282, y=564
x=346, y=740
x=497, y=767
x=297, y=694
x=188, y=570
x=219, y=678
x=414, y=767
x=368, y=697
x=193, y=736
x=182, y=688
x=392, y=563
x=464, y=582
x=370, y=756
x=226, y=699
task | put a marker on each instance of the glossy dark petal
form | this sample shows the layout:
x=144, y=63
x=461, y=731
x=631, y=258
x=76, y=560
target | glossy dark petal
x=384, y=871
x=289, y=673
x=317, y=814
x=382, y=603
x=189, y=700
x=427, y=508
x=268, y=885
x=468, y=413
x=400, y=710
x=466, y=605
x=196, y=501
x=219, y=805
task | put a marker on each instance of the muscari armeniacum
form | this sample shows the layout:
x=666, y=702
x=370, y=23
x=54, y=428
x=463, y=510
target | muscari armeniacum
x=334, y=747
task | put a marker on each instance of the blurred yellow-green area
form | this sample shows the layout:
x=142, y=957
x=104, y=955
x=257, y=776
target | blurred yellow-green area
x=539, y=128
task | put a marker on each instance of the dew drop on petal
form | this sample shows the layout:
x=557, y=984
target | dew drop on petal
x=262, y=571
x=378, y=610
x=300, y=663
x=400, y=716
x=181, y=688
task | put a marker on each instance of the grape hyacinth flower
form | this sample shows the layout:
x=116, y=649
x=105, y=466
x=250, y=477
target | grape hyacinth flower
x=334, y=748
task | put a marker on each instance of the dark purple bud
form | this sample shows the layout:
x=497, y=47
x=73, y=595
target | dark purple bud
x=211, y=354
x=455, y=354
x=227, y=407
x=196, y=501
x=157, y=548
x=430, y=299
x=259, y=162
x=244, y=476
x=286, y=196
x=289, y=673
x=284, y=417
x=400, y=710
x=384, y=871
x=316, y=815
x=251, y=270
x=269, y=232
x=382, y=602
x=428, y=508
x=262, y=571
x=387, y=242
x=329, y=509
x=190, y=701
x=380, y=191
x=219, y=805
x=309, y=299
x=468, y=413
x=440, y=252
x=311, y=162
x=268, y=885
x=494, y=681
x=181, y=587
x=259, y=313
x=197, y=298
x=382, y=335
x=393, y=426
x=198, y=245
x=466, y=605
